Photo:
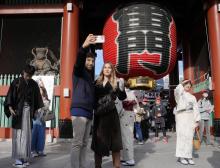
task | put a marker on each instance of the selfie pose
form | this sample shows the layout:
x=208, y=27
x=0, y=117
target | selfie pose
x=82, y=103
x=106, y=128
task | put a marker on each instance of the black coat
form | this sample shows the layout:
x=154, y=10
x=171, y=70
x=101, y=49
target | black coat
x=106, y=128
x=18, y=93
x=162, y=110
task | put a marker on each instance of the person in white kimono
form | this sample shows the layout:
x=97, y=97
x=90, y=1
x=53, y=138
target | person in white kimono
x=205, y=109
x=127, y=116
x=187, y=120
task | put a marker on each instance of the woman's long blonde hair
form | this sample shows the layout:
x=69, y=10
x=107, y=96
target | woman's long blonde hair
x=112, y=80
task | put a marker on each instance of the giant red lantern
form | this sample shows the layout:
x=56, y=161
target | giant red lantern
x=140, y=40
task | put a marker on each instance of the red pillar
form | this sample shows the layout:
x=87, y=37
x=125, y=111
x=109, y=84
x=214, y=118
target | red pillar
x=187, y=59
x=68, y=57
x=5, y=133
x=213, y=21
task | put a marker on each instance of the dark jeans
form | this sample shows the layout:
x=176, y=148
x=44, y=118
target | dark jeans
x=38, y=138
x=157, y=128
x=139, y=135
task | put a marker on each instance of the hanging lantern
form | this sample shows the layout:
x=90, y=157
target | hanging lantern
x=140, y=40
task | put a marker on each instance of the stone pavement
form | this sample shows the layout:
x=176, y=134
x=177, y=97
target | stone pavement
x=149, y=155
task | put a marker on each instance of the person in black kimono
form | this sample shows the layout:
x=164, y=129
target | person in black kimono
x=22, y=101
x=159, y=112
x=106, y=128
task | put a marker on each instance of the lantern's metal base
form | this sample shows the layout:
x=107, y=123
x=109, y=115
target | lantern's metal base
x=141, y=83
x=217, y=127
x=65, y=128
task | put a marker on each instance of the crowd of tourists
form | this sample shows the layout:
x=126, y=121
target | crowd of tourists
x=107, y=104
x=119, y=116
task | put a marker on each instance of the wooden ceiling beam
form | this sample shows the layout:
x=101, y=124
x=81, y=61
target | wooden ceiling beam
x=31, y=9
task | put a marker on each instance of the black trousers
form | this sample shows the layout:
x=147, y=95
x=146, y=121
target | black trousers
x=157, y=129
x=145, y=125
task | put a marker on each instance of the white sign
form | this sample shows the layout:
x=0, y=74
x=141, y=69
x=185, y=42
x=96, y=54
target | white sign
x=48, y=83
x=69, y=7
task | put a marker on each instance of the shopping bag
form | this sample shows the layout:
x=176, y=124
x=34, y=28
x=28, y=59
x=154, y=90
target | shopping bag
x=196, y=140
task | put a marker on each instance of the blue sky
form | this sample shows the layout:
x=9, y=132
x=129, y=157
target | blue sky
x=99, y=61
x=180, y=69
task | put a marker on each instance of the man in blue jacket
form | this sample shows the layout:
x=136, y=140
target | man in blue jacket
x=82, y=102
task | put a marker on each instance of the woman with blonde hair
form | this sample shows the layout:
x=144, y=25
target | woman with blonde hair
x=106, y=127
x=39, y=125
x=187, y=119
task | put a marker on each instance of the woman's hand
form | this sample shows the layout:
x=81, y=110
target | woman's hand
x=89, y=40
x=12, y=111
x=121, y=84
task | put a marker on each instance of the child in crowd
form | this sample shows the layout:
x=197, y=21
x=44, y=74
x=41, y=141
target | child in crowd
x=159, y=112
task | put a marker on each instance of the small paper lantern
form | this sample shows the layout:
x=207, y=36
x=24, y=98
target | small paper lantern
x=140, y=40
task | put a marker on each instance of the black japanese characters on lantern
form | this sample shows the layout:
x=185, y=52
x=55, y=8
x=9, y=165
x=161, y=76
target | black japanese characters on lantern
x=141, y=40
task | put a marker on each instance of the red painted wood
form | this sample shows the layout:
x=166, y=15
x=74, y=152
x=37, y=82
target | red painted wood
x=187, y=58
x=68, y=58
x=213, y=20
x=54, y=132
x=56, y=91
x=31, y=9
x=4, y=90
x=5, y=133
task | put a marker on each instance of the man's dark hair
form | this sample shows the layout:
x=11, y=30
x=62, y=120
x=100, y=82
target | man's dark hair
x=29, y=69
x=90, y=55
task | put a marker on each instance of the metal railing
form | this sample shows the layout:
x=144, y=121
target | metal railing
x=5, y=80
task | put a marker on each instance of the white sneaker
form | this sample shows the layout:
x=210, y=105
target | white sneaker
x=183, y=161
x=129, y=163
x=19, y=165
x=34, y=154
x=140, y=143
x=191, y=162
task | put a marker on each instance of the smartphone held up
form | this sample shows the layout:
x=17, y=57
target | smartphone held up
x=99, y=38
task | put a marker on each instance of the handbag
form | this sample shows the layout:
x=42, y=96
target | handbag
x=128, y=105
x=196, y=140
x=48, y=115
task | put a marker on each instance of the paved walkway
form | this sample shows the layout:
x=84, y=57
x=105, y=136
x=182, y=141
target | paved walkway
x=149, y=155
